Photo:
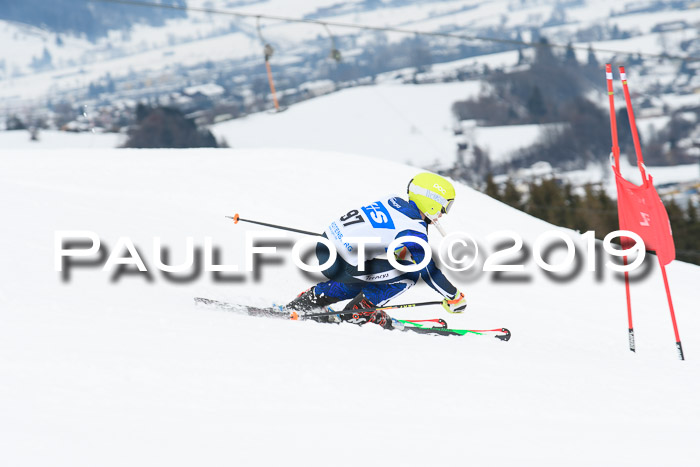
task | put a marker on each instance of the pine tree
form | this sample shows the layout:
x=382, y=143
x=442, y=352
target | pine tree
x=554, y=197
x=491, y=188
x=521, y=56
x=592, y=60
x=679, y=227
x=15, y=123
x=675, y=215
x=572, y=209
x=511, y=195
x=691, y=246
x=535, y=104
x=546, y=201
x=570, y=56
x=164, y=127
x=599, y=212
x=608, y=212
x=543, y=53
x=692, y=211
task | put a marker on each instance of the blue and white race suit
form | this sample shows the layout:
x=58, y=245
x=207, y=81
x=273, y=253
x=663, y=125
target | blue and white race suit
x=385, y=220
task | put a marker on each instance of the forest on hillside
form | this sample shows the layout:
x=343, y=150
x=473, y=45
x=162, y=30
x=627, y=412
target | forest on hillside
x=561, y=205
x=93, y=19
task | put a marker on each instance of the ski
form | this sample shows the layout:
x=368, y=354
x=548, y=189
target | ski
x=443, y=330
x=270, y=312
x=415, y=326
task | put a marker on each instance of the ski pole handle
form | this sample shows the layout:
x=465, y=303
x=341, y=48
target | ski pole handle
x=236, y=218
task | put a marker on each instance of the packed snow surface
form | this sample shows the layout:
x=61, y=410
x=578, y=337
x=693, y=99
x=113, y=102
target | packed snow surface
x=51, y=139
x=108, y=369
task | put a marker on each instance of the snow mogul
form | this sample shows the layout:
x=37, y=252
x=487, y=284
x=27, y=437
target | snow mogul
x=429, y=197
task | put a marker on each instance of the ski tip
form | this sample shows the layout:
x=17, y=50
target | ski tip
x=504, y=337
x=294, y=316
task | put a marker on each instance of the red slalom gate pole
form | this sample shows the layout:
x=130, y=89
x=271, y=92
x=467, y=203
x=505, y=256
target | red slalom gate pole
x=679, y=346
x=616, y=155
x=630, y=329
x=613, y=117
x=633, y=124
x=642, y=169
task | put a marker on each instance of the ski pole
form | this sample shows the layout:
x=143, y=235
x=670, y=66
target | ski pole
x=365, y=310
x=236, y=218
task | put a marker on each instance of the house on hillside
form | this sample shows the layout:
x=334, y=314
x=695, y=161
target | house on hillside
x=203, y=96
x=317, y=88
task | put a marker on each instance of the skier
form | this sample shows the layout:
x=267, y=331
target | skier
x=429, y=197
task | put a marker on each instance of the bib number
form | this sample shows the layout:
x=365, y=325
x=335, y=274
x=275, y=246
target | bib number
x=352, y=217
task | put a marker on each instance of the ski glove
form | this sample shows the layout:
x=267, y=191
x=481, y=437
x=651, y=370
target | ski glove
x=455, y=305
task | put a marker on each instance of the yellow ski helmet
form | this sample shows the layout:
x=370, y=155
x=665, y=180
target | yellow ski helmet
x=432, y=194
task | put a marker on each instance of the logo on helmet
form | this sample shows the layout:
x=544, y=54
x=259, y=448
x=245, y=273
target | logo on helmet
x=441, y=189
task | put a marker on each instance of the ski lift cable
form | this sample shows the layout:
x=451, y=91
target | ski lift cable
x=267, y=47
x=463, y=37
x=403, y=116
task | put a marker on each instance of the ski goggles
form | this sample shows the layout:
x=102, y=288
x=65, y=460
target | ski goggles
x=446, y=207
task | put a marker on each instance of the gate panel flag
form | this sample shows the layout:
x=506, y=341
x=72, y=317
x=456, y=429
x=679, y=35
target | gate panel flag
x=641, y=211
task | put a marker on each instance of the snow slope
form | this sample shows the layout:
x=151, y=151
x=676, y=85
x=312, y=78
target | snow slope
x=392, y=120
x=52, y=139
x=95, y=372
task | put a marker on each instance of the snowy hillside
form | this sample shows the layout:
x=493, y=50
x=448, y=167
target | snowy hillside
x=403, y=123
x=412, y=124
x=124, y=370
x=406, y=123
x=73, y=62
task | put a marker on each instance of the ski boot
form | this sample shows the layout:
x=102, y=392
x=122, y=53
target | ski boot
x=308, y=301
x=359, y=317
